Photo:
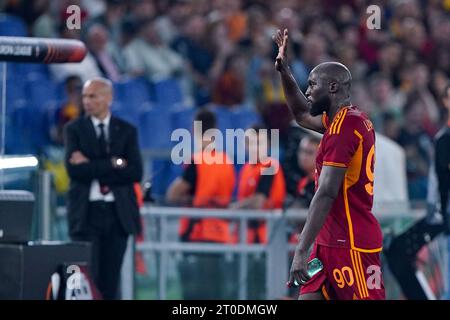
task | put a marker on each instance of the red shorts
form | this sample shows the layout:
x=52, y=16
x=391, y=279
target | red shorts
x=347, y=275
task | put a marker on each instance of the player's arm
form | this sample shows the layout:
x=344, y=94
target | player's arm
x=295, y=98
x=330, y=181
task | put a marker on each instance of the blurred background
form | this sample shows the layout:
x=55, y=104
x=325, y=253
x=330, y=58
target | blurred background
x=170, y=58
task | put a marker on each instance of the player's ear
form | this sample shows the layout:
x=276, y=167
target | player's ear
x=333, y=87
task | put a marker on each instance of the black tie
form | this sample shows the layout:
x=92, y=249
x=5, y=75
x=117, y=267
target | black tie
x=102, y=140
x=104, y=189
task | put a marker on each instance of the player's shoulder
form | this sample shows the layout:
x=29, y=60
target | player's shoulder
x=355, y=115
x=350, y=119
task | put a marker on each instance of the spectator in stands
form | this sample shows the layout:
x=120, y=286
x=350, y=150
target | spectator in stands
x=205, y=184
x=70, y=109
x=417, y=144
x=419, y=43
x=348, y=56
x=314, y=51
x=438, y=83
x=97, y=43
x=235, y=19
x=389, y=62
x=111, y=19
x=143, y=9
x=86, y=69
x=229, y=89
x=386, y=99
x=223, y=49
x=362, y=98
x=148, y=55
x=44, y=26
x=129, y=30
x=421, y=80
x=257, y=26
x=268, y=90
x=391, y=126
x=192, y=45
x=168, y=24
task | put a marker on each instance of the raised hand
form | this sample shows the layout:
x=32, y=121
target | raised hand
x=281, y=39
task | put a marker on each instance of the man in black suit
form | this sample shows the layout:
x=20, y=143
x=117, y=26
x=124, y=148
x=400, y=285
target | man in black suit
x=103, y=161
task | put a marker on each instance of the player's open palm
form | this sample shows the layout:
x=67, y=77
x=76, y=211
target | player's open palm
x=281, y=39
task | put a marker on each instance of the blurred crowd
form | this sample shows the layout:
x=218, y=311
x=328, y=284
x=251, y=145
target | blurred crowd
x=223, y=53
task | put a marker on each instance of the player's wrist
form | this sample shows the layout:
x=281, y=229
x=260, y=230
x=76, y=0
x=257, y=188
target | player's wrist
x=282, y=67
x=301, y=249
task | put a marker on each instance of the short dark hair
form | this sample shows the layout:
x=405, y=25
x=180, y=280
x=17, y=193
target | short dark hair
x=411, y=100
x=207, y=118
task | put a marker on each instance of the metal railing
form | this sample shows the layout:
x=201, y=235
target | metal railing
x=276, y=250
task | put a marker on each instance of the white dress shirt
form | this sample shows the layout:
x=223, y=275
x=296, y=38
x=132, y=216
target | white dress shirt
x=95, y=194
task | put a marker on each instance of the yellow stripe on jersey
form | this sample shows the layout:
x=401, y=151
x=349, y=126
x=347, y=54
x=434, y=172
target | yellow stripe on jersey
x=341, y=121
x=361, y=275
x=335, y=122
x=335, y=127
x=355, y=271
x=358, y=255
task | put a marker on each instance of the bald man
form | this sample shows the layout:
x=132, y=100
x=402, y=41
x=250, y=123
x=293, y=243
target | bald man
x=103, y=161
x=340, y=226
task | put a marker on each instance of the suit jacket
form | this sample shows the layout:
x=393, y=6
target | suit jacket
x=80, y=135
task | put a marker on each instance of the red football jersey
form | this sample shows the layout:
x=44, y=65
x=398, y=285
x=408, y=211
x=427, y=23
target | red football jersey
x=349, y=142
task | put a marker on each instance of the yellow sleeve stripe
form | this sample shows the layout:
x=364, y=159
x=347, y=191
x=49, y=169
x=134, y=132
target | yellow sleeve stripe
x=334, y=164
